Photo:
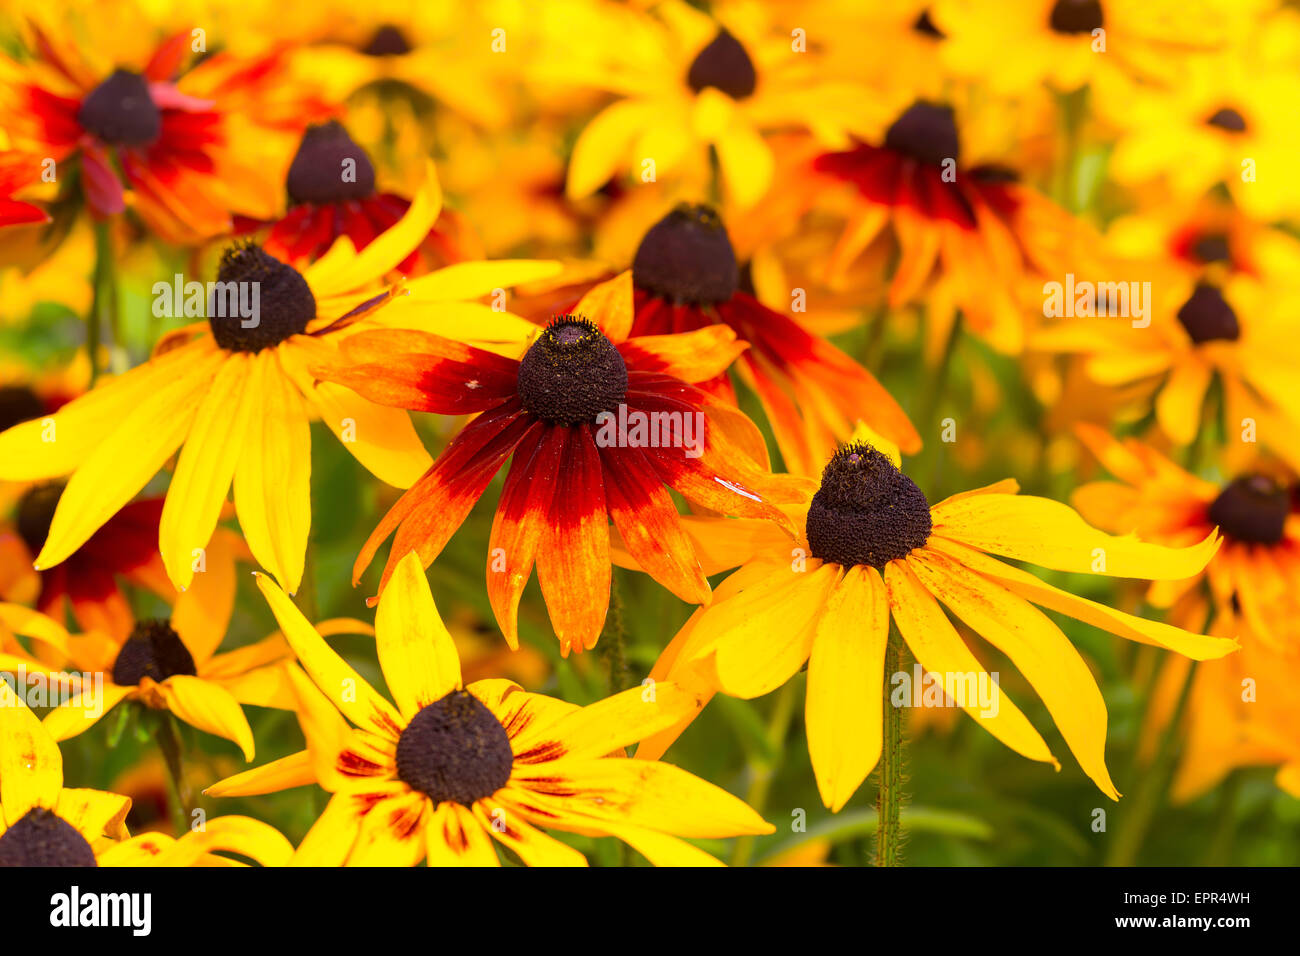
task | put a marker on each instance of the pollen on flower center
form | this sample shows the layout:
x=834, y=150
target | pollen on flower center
x=36, y=514
x=571, y=373
x=387, y=41
x=455, y=750
x=329, y=167
x=43, y=838
x=18, y=404
x=249, y=276
x=153, y=650
x=927, y=132
x=1253, y=508
x=1208, y=317
x=725, y=65
x=687, y=258
x=866, y=511
x=121, y=111
x=1076, y=16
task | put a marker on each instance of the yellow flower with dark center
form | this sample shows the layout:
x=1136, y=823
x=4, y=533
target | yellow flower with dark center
x=44, y=824
x=687, y=83
x=875, y=551
x=452, y=767
x=235, y=395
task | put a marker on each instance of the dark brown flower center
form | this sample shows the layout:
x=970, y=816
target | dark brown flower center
x=925, y=26
x=1252, y=508
x=687, y=258
x=1211, y=248
x=723, y=65
x=36, y=514
x=120, y=111
x=866, y=511
x=455, y=750
x=1207, y=317
x=329, y=167
x=258, y=300
x=43, y=838
x=387, y=41
x=18, y=404
x=1076, y=16
x=927, y=132
x=153, y=650
x=1228, y=120
x=571, y=373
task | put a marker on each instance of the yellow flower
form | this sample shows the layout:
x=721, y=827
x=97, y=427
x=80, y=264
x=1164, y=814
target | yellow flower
x=452, y=767
x=687, y=83
x=236, y=398
x=874, y=550
x=43, y=823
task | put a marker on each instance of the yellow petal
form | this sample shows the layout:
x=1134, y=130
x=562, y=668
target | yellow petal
x=605, y=145
x=1037, y=647
x=416, y=652
x=609, y=305
x=129, y=454
x=456, y=838
x=1196, y=646
x=294, y=770
x=341, y=685
x=382, y=439
x=1051, y=534
x=940, y=650
x=531, y=845
x=208, y=707
x=393, y=832
x=94, y=813
x=235, y=834
x=273, y=480
x=389, y=248
x=202, y=614
x=206, y=466
x=82, y=711
x=765, y=634
x=1178, y=406
x=31, y=767
x=846, y=685
x=470, y=280
x=746, y=162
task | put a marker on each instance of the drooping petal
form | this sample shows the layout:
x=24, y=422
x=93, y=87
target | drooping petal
x=294, y=770
x=846, y=682
x=94, y=813
x=1037, y=647
x=940, y=650
x=82, y=711
x=1052, y=535
x=209, y=707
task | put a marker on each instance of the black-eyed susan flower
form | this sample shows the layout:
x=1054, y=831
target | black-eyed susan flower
x=43, y=823
x=1255, y=570
x=150, y=135
x=332, y=191
x=685, y=276
x=874, y=551
x=451, y=767
x=687, y=84
x=235, y=395
x=600, y=425
x=1194, y=331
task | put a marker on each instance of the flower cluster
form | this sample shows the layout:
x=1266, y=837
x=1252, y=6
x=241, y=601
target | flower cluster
x=733, y=322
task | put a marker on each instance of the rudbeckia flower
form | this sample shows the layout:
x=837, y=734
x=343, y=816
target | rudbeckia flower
x=1070, y=43
x=452, y=767
x=687, y=84
x=1256, y=569
x=236, y=397
x=598, y=424
x=163, y=663
x=329, y=198
x=967, y=231
x=145, y=135
x=43, y=823
x=874, y=551
x=1195, y=331
x=685, y=278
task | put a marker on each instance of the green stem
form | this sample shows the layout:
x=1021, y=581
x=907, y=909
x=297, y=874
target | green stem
x=765, y=771
x=169, y=744
x=613, y=641
x=889, y=832
x=104, y=306
x=1220, y=852
x=1134, y=824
